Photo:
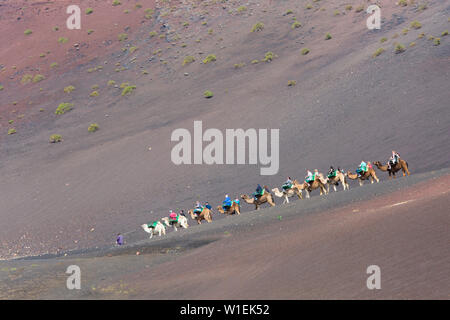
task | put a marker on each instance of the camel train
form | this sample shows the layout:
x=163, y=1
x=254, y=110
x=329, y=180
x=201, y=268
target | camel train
x=290, y=189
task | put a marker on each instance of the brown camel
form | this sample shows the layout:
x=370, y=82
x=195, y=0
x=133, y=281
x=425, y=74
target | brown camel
x=296, y=189
x=266, y=197
x=400, y=165
x=369, y=174
x=334, y=181
x=204, y=215
x=318, y=183
x=234, y=209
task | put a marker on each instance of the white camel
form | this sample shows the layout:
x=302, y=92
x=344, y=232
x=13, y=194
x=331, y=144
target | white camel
x=287, y=193
x=158, y=229
x=181, y=223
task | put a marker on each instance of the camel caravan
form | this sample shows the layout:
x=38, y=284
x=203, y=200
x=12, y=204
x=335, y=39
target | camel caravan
x=290, y=188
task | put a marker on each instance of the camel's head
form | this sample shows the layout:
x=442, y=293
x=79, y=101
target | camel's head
x=144, y=226
x=377, y=163
x=244, y=196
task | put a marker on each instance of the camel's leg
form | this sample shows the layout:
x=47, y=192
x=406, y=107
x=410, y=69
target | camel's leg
x=307, y=194
x=151, y=234
x=286, y=199
x=334, y=187
x=164, y=231
x=175, y=227
x=360, y=182
x=328, y=187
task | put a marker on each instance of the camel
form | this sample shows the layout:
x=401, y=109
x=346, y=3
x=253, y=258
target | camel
x=204, y=215
x=369, y=174
x=294, y=190
x=234, y=209
x=319, y=183
x=182, y=222
x=158, y=229
x=266, y=197
x=400, y=165
x=340, y=177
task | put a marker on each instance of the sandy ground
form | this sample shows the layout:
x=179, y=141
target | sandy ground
x=290, y=252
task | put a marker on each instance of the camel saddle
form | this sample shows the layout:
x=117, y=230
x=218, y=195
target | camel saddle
x=153, y=225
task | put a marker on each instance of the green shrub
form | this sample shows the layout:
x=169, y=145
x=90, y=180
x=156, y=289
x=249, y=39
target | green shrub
x=402, y=3
x=116, y=3
x=55, y=28
x=152, y=34
x=444, y=33
x=133, y=49
x=384, y=39
x=292, y=83
x=209, y=58
x=255, y=61
x=122, y=37
x=399, y=48
x=89, y=10
x=348, y=7
x=69, y=89
x=208, y=94
x=63, y=108
x=239, y=65
x=305, y=51
x=327, y=36
x=241, y=9
x=128, y=90
x=94, y=94
x=54, y=65
x=63, y=40
x=309, y=6
x=26, y=78
x=412, y=44
x=437, y=41
x=289, y=12
x=359, y=8
x=378, y=52
x=416, y=24
x=28, y=32
x=296, y=25
x=188, y=59
x=1, y=87
x=54, y=138
x=11, y=131
x=258, y=27
x=90, y=31
x=269, y=56
x=93, y=127
x=111, y=83
x=38, y=78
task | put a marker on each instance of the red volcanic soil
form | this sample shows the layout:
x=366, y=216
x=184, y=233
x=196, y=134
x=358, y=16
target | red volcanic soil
x=322, y=256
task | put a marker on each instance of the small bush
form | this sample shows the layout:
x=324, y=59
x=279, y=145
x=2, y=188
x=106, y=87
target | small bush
x=116, y=3
x=405, y=31
x=128, y=90
x=26, y=78
x=55, y=28
x=359, y=9
x=444, y=33
x=336, y=13
x=188, y=59
x=28, y=32
x=94, y=94
x=54, y=138
x=309, y=6
x=208, y=94
x=93, y=127
x=122, y=36
x=289, y=12
x=402, y=3
x=416, y=25
x=54, y=65
x=1, y=87
x=152, y=34
x=11, y=131
x=305, y=51
x=258, y=27
x=384, y=39
x=38, y=78
x=89, y=10
x=292, y=83
x=63, y=108
x=111, y=83
x=378, y=52
x=296, y=25
x=90, y=31
x=241, y=9
x=437, y=41
x=348, y=7
x=399, y=48
x=269, y=56
x=69, y=89
x=412, y=44
x=63, y=40
x=133, y=49
x=209, y=58
x=255, y=61
x=420, y=36
x=327, y=36
x=239, y=65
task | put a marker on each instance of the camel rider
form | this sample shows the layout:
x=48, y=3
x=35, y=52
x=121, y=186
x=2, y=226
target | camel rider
x=362, y=168
x=288, y=184
x=259, y=191
x=393, y=160
x=172, y=217
x=227, y=202
x=182, y=213
x=237, y=201
x=207, y=205
x=309, y=178
x=332, y=172
x=198, y=207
